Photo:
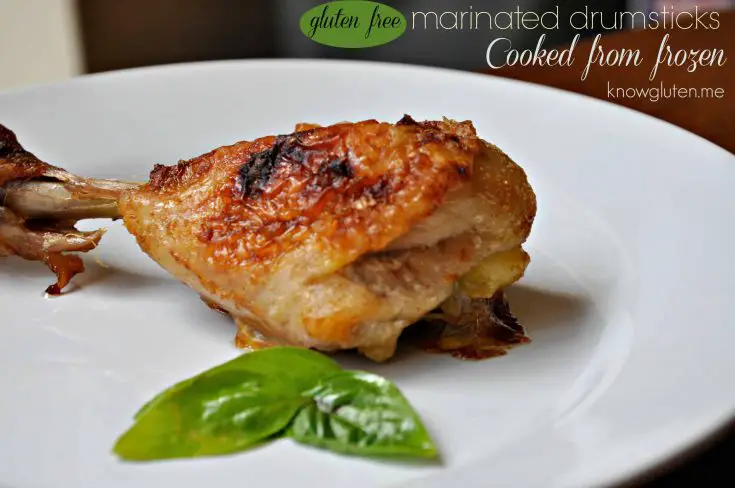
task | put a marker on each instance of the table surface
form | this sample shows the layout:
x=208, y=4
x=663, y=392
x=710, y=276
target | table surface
x=712, y=119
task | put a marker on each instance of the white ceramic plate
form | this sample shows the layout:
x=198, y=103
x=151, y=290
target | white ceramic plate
x=627, y=297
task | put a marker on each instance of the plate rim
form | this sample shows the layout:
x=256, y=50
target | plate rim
x=233, y=63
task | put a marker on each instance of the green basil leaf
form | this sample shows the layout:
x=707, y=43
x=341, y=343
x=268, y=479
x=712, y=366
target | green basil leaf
x=228, y=408
x=360, y=413
x=270, y=393
x=292, y=366
x=220, y=413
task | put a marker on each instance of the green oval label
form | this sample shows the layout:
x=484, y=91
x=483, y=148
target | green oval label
x=353, y=24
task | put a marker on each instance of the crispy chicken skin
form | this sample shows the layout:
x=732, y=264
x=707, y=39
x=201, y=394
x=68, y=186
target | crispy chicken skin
x=335, y=237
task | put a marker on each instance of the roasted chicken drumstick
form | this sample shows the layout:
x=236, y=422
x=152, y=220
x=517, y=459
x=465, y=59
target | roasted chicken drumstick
x=333, y=237
x=39, y=206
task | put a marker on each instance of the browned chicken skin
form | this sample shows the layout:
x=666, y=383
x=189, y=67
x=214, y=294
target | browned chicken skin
x=337, y=237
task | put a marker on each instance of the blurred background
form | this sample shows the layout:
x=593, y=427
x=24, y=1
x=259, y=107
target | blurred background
x=49, y=40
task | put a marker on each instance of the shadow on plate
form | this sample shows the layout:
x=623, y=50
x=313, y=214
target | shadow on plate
x=538, y=310
x=95, y=275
